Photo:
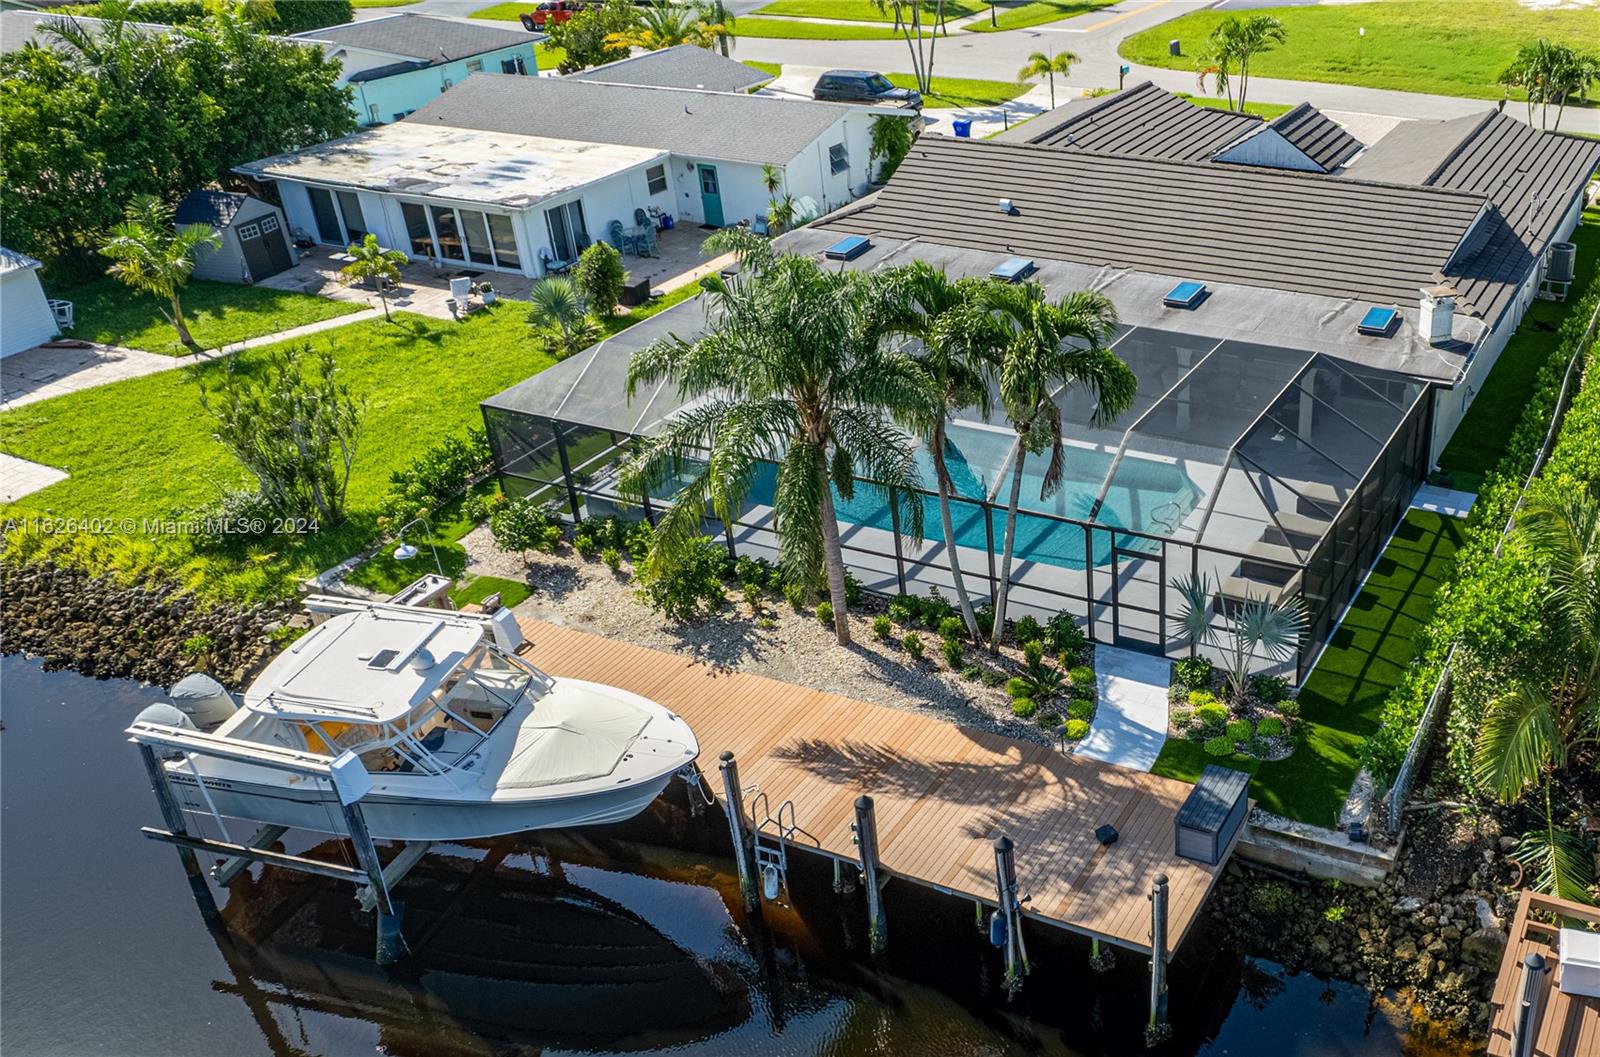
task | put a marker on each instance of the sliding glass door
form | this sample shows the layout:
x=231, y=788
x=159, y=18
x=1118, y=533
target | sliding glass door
x=504, y=237
x=417, y=230
x=327, y=219
x=447, y=233
x=355, y=224
x=476, y=228
x=569, y=235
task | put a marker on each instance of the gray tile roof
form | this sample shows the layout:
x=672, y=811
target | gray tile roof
x=1317, y=136
x=1300, y=232
x=208, y=207
x=1412, y=150
x=725, y=126
x=431, y=41
x=683, y=66
x=1143, y=120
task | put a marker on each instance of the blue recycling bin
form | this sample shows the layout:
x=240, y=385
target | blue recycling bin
x=963, y=126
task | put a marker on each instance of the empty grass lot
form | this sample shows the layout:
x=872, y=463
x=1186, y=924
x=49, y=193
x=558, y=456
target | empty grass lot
x=1342, y=698
x=1022, y=16
x=793, y=29
x=106, y=311
x=1446, y=47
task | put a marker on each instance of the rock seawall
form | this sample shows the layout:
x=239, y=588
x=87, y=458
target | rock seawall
x=151, y=631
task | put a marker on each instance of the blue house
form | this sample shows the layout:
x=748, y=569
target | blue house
x=400, y=63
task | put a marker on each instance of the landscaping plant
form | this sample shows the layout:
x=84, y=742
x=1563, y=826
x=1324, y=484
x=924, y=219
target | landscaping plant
x=1551, y=73
x=559, y=311
x=1042, y=64
x=600, y=276
x=1233, y=43
x=524, y=525
x=692, y=586
x=1257, y=626
x=153, y=256
x=921, y=42
x=890, y=141
x=375, y=266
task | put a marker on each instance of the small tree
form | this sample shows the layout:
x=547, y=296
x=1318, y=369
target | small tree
x=1550, y=73
x=561, y=312
x=1042, y=65
x=375, y=266
x=587, y=37
x=1258, y=625
x=891, y=141
x=152, y=256
x=921, y=42
x=600, y=276
x=1235, y=41
x=293, y=425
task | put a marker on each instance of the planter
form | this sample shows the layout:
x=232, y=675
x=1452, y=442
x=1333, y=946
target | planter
x=489, y=296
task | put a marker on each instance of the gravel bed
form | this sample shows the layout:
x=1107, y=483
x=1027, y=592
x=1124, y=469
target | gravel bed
x=778, y=643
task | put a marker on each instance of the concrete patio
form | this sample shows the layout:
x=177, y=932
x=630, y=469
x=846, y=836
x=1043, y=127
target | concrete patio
x=425, y=287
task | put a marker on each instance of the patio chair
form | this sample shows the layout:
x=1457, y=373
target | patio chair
x=616, y=237
x=641, y=218
x=548, y=265
x=461, y=288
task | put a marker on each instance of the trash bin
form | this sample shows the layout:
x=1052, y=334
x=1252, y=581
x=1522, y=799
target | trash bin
x=962, y=125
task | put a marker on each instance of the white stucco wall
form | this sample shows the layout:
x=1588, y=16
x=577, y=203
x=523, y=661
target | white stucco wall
x=403, y=92
x=25, y=316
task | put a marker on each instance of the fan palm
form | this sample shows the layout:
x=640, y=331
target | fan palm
x=794, y=369
x=1258, y=627
x=371, y=263
x=668, y=25
x=558, y=307
x=1042, y=65
x=1049, y=346
x=154, y=256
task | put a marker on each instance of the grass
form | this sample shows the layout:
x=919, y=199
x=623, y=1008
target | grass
x=613, y=324
x=506, y=12
x=1264, y=110
x=1037, y=13
x=961, y=91
x=862, y=10
x=1444, y=47
x=549, y=56
x=476, y=589
x=790, y=29
x=771, y=69
x=1480, y=440
x=359, y=4
x=217, y=313
x=1185, y=760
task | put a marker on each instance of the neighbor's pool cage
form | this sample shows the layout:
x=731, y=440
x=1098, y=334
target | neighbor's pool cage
x=1272, y=472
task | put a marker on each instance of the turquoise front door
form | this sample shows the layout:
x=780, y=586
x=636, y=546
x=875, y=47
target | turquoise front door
x=710, y=196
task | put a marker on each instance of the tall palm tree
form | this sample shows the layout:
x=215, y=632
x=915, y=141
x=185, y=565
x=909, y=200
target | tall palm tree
x=1050, y=346
x=794, y=369
x=372, y=264
x=558, y=307
x=1240, y=39
x=1043, y=65
x=959, y=347
x=154, y=256
x=718, y=21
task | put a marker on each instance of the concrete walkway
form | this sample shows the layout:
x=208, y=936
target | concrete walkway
x=1130, y=725
x=51, y=370
x=1446, y=501
x=19, y=477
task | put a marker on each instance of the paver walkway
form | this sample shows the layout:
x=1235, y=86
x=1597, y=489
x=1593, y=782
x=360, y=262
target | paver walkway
x=1446, y=501
x=19, y=477
x=1130, y=725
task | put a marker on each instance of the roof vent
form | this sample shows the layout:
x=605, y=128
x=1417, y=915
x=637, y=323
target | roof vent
x=1378, y=322
x=848, y=248
x=1186, y=294
x=1014, y=270
x=1007, y=206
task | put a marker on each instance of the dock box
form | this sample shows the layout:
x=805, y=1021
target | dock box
x=1213, y=813
x=1580, y=962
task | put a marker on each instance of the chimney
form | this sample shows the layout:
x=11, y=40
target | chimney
x=1438, y=311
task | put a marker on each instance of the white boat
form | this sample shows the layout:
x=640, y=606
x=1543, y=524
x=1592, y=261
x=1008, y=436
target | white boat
x=459, y=737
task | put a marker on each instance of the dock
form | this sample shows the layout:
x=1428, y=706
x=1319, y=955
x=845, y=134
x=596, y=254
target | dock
x=943, y=794
x=1531, y=1016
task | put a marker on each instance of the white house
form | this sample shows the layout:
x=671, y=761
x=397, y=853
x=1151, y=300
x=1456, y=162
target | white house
x=400, y=63
x=519, y=173
x=26, y=319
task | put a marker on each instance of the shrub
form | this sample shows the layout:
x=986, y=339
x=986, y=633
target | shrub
x=1239, y=729
x=882, y=628
x=1192, y=673
x=1017, y=687
x=1198, y=698
x=1182, y=717
x=984, y=615
x=1077, y=730
x=1083, y=710
x=992, y=677
x=753, y=593
x=195, y=645
x=1289, y=707
x=1064, y=635
x=1270, y=727
x=1269, y=689
x=477, y=507
x=913, y=645
x=433, y=478
x=613, y=559
x=1082, y=675
x=795, y=595
x=935, y=609
x=640, y=539
x=240, y=515
x=600, y=275
x=1085, y=691
x=1221, y=745
x=1033, y=654
x=952, y=628
x=951, y=648
x=584, y=543
x=524, y=525
x=1046, y=683
x=852, y=590
x=1212, y=716
x=692, y=584
x=903, y=610
x=972, y=671
x=1023, y=707
x=1048, y=720
x=825, y=612
x=1027, y=629
x=749, y=570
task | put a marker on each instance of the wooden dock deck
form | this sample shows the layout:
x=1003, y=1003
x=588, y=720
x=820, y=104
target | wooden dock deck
x=943, y=792
x=1566, y=1025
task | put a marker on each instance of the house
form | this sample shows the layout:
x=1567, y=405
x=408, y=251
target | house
x=255, y=238
x=682, y=66
x=520, y=173
x=402, y=62
x=26, y=318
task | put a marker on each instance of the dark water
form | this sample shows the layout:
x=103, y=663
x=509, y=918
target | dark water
x=599, y=942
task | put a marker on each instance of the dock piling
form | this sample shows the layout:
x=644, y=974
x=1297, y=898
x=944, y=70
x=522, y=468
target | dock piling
x=743, y=847
x=172, y=814
x=1526, y=1028
x=1157, y=1028
x=866, y=827
x=391, y=944
x=1010, y=911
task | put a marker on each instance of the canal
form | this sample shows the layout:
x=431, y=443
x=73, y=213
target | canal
x=607, y=941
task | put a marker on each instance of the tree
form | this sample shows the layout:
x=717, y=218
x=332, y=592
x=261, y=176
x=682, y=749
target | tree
x=560, y=310
x=716, y=13
x=600, y=276
x=153, y=256
x=1050, y=346
x=1236, y=40
x=794, y=369
x=293, y=425
x=375, y=266
x=921, y=43
x=1255, y=627
x=587, y=37
x=1042, y=65
x=891, y=141
x=1550, y=73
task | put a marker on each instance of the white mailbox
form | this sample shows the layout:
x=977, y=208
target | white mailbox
x=1580, y=963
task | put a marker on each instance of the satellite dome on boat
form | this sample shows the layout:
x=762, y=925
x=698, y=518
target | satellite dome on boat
x=202, y=699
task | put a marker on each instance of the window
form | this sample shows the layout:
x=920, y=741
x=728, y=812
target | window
x=505, y=241
x=269, y=224
x=354, y=223
x=657, y=177
x=837, y=158
x=249, y=231
x=569, y=235
x=476, y=227
x=417, y=229
x=879, y=83
x=444, y=222
x=515, y=64
x=474, y=65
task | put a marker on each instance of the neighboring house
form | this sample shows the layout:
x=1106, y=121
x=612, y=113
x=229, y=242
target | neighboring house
x=26, y=318
x=20, y=27
x=682, y=66
x=513, y=173
x=400, y=63
x=255, y=238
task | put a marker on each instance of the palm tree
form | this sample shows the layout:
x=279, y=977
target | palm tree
x=960, y=345
x=372, y=264
x=795, y=369
x=1049, y=346
x=1042, y=65
x=1215, y=64
x=1241, y=38
x=153, y=256
x=1257, y=627
x=559, y=308
x=1551, y=73
x=1574, y=75
x=718, y=20
x=668, y=25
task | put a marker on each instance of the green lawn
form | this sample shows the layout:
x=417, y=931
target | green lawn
x=1480, y=440
x=506, y=12
x=105, y=310
x=863, y=10
x=1184, y=760
x=961, y=91
x=1266, y=110
x=478, y=588
x=1037, y=13
x=359, y=4
x=795, y=30
x=1447, y=47
x=772, y=69
x=549, y=56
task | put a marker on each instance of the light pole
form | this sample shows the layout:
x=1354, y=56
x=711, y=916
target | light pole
x=406, y=551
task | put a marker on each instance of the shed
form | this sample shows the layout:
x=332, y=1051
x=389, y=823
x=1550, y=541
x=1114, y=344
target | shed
x=255, y=237
x=26, y=318
x=1210, y=818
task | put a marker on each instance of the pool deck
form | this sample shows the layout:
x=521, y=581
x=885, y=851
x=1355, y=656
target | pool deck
x=942, y=792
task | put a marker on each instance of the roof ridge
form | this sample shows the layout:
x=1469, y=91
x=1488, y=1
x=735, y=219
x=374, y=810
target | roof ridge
x=1097, y=105
x=1293, y=112
x=1461, y=144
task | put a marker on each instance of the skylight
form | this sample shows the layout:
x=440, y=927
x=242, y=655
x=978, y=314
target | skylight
x=848, y=248
x=1014, y=270
x=1378, y=322
x=1186, y=294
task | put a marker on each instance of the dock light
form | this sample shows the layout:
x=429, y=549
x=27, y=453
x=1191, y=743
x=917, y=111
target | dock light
x=405, y=552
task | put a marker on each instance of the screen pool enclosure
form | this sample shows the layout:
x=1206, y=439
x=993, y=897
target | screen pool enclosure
x=1271, y=471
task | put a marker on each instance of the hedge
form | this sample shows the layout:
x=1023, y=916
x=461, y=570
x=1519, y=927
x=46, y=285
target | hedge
x=1489, y=608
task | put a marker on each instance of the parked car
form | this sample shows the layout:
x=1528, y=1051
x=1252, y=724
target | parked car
x=864, y=86
x=550, y=13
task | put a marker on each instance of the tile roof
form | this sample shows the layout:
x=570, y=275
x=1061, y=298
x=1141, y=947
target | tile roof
x=1301, y=232
x=683, y=66
x=718, y=125
x=1143, y=120
x=1317, y=136
x=1412, y=150
x=209, y=207
x=430, y=41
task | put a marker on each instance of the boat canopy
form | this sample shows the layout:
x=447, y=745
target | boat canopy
x=573, y=734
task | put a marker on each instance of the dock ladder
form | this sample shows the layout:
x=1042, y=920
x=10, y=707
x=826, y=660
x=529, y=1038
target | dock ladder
x=771, y=836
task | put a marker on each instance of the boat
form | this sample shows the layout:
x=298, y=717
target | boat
x=458, y=736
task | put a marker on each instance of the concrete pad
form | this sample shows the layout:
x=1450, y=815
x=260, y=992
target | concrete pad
x=19, y=477
x=1130, y=725
x=1446, y=501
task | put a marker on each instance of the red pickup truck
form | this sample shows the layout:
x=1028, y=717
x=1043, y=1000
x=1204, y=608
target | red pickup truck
x=550, y=13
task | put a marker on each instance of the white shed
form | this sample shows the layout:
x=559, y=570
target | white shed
x=26, y=319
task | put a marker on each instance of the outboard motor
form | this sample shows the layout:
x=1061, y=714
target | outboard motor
x=202, y=700
x=166, y=715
